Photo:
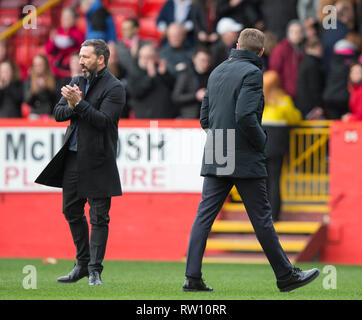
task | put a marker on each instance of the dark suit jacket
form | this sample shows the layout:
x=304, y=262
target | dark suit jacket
x=235, y=100
x=97, y=118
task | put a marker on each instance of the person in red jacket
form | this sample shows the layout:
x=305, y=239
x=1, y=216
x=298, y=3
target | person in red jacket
x=355, y=90
x=287, y=56
x=63, y=42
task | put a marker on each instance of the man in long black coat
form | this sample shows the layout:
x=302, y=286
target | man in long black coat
x=85, y=167
x=231, y=114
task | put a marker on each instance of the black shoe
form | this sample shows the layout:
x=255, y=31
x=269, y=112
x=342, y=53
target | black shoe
x=95, y=279
x=297, y=279
x=76, y=274
x=195, y=285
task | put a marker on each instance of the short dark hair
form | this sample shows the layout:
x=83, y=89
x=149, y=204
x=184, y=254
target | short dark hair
x=203, y=49
x=252, y=40
x=134, y=21
x=100, y=48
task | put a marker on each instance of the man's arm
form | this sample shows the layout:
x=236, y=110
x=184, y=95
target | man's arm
x=204, y=112
x=246, y=109
x=109, y=111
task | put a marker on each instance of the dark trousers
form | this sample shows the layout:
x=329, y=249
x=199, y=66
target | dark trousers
x=254, y=194
x=274, y=166
x=89, y=252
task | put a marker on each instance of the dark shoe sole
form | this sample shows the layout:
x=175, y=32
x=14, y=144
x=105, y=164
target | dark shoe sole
x=300, y=284
x=196, y=290
x=71, y=281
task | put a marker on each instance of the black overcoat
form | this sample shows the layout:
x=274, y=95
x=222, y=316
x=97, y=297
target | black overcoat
x=97, y=118
x=234, y=100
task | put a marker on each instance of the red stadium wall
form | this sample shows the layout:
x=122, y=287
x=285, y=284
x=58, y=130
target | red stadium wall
x=344, y=244
x=143, y=226
x=156, y=226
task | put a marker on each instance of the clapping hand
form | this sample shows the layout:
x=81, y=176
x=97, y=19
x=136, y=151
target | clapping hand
x=72, y=94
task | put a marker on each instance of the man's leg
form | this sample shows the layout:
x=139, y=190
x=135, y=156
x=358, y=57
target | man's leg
x=214, y=193
x=73, y=209
x=99, y=219
x=274, y=166
x=255, y=198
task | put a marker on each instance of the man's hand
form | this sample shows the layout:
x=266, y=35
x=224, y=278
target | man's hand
x=200, y=94
x=72, y=94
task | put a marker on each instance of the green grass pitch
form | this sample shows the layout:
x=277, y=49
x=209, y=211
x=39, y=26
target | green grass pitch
x=163, y=280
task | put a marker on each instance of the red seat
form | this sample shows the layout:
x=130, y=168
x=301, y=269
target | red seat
x=151, y=8
x=148, y=29
x=7, y=21
x=11, y=12
x=82, y=24
x=13, y=4
x=118, y=20
x=122, y=11
x=24, y=56
x=129, y=7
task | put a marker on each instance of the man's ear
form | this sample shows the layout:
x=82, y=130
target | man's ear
x=237, y=46
x=101, y=59
x=261, y=52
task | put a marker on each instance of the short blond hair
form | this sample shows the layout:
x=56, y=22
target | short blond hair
x=252, y=40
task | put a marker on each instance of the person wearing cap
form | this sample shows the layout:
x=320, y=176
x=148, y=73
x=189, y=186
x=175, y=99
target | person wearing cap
x=228, y=30
x=234, y=154
x=336, y=95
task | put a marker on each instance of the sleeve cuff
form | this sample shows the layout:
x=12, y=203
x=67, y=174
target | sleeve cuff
x=80, y=107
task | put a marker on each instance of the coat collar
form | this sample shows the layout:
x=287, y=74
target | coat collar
x=93, y=80
x=247, y=56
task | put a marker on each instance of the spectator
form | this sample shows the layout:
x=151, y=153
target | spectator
x=205, y=19
x=229, y=31
x=191, y=85
x=279, y=113
x=63, y=42
x=332, y=35
x=277, y=14
x=114, y=65
x=355, y=89
x=336, y=95
x=11, y=90
x=118, y=70
x=356, y=39
x=75, y=70
x=128, y=47
x=176, y=11
x=177, y=53
x=150, y=86
x=100, y=24
x=270, y=41
x=308, y=15
x=40, y=88
x=286, y=57
x=4, y=57
x=311, y=81
x=244, y=12
x=311, y=28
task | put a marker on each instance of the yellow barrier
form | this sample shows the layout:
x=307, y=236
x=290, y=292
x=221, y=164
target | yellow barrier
x=305, y=173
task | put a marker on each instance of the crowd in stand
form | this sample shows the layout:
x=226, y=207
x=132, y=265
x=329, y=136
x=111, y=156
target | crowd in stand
x=312, y=64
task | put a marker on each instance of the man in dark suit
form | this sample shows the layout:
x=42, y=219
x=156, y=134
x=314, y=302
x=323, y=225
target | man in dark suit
x=85, y=167
x=231, y=113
